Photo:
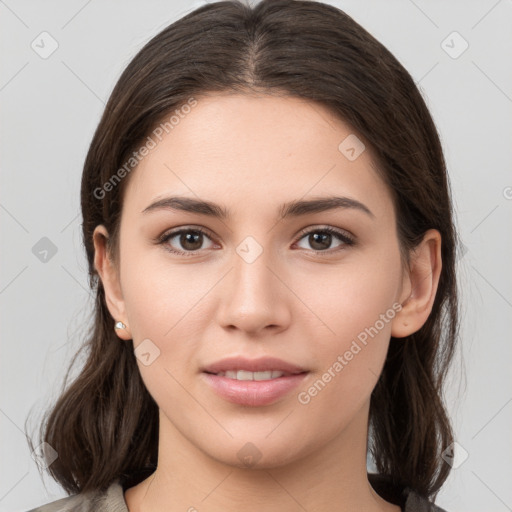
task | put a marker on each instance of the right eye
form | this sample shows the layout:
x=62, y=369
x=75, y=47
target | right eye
x=190, y=239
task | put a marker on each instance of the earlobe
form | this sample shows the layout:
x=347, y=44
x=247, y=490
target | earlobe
x=110, y=279
x=421, y=282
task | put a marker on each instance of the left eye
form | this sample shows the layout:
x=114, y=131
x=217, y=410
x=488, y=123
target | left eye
x=191, y=240
x=319, y=238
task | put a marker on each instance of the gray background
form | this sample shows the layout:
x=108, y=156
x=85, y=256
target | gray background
x=50, y=108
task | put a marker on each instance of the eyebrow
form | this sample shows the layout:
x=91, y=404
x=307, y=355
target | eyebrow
x=290, y=209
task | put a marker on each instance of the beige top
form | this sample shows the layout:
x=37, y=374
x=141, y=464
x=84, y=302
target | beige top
x=112, y=499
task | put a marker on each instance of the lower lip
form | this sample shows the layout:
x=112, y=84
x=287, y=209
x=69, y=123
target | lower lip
x=253, y=392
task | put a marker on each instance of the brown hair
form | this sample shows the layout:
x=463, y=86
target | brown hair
x=298, y=48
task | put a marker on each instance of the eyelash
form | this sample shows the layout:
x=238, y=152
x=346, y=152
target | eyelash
x=342, y=236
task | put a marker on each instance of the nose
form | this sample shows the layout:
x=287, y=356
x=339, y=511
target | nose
x=254, y=297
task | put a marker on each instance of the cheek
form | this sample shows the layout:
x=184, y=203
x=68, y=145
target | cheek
x=158, y=294
x=353, y=313
x=165, y=304
x=348, y=363
x=164, y=321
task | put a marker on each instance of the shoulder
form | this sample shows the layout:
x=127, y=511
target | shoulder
x=109, y=500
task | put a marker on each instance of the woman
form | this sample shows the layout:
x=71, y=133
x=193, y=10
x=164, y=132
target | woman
x=265, y=199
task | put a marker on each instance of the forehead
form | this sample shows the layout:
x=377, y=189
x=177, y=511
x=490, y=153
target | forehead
x=256, y=150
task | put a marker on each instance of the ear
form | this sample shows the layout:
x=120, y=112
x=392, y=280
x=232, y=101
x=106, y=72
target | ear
x=419, y=286
x=109, y=275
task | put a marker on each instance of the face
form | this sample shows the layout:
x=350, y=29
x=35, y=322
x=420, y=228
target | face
x=254, y=283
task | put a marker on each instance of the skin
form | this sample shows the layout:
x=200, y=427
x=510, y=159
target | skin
x=251, y=154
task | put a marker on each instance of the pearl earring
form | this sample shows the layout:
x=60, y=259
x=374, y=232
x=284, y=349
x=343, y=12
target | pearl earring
x=120, y=325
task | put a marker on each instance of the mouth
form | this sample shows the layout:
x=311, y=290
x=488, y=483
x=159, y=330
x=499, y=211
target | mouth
x=253, y=382
x=248, y=375
x=253, y=389
x=242, y=368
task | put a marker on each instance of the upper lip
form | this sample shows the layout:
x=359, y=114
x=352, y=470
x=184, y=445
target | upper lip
x=253, y=365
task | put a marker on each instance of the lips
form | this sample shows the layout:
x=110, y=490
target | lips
x=254, y=365
x=251, y=393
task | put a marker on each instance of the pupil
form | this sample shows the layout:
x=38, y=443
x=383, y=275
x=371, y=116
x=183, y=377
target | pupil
x=189, y=238
x=314, y=240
